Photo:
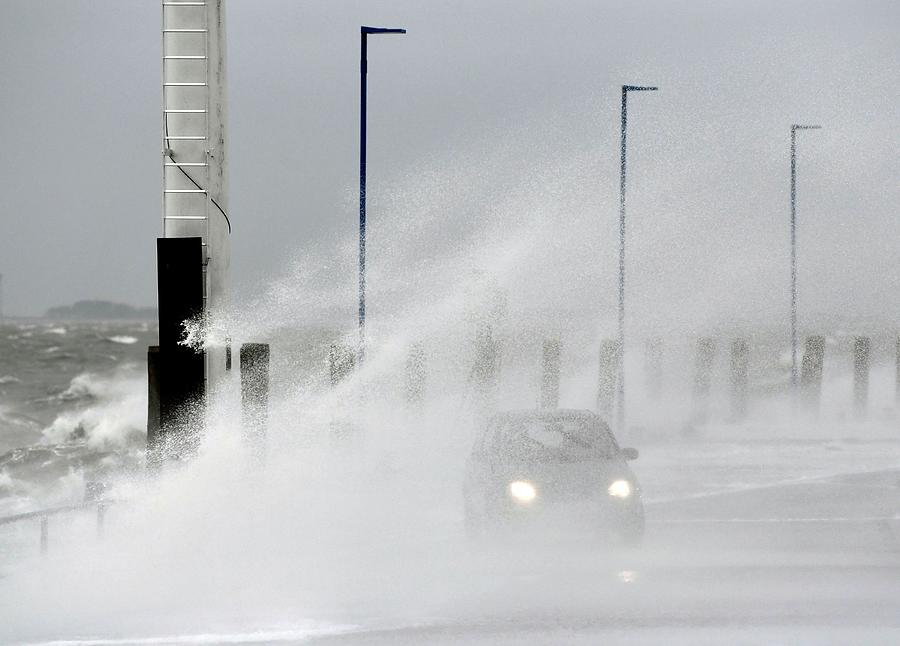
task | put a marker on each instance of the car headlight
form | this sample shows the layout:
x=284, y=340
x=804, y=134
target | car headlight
x=521, y=491
x=620, y=489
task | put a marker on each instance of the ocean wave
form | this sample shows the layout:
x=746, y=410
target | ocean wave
x=9, y=379
x=56, y=330
x=115, y=417
x=81, y=387
x=123, y=339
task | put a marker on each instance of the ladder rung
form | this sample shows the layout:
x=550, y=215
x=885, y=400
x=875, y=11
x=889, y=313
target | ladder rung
x=184, y=58
x=184, y=190
x=185, y=111
x=180, y=164
x=185, y=31
x=185, y=137
x=184, y=84
x=185, y=217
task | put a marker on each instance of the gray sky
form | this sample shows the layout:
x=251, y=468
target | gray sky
x=80, y=173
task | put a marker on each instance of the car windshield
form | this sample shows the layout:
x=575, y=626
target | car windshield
x=551, y=440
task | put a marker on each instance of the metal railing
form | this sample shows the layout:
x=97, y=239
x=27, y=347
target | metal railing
x=43, y=515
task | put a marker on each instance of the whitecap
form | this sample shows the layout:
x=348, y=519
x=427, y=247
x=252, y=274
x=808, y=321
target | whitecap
x=9, y=379
x=126, y=340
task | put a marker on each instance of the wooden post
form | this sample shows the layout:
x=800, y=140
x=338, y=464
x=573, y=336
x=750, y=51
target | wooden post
x=255, y=396
x=740, y=363
x=706, y=355
x=550, y=359
x=811, y=373
x=606, y=387
x=861, y=348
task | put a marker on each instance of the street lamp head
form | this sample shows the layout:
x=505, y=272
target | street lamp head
x=638, y=88
x=799, y=127
x=380, y=30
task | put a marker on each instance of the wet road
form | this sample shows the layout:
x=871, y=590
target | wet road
x=814, y=561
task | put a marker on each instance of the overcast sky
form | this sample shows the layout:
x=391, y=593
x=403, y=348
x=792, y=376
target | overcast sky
x=80, y=171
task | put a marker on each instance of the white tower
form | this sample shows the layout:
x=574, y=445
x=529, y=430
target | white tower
x=195, y=177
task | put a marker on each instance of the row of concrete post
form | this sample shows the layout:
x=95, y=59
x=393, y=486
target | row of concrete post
x=486, y=362
x=166, y=414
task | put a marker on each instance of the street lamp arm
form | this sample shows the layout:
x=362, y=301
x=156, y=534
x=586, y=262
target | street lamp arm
x=380, y=30
x=639, y=88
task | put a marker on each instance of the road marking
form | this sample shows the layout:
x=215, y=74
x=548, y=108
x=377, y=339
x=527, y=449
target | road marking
x=698, y=521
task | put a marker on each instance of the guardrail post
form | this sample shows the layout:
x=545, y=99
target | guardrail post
x=45, y=531
x=550, y=373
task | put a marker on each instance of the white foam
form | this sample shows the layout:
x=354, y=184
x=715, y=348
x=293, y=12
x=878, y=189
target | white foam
x=117, y=415
x=123, y=339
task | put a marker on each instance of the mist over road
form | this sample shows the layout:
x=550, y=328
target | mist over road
x=808, y=562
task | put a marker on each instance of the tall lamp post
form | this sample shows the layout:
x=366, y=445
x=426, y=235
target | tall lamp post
x=794, y=129
x=363, y=70
x=620, y=376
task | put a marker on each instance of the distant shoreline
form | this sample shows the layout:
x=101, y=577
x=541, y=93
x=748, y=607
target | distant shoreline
x=96, y=310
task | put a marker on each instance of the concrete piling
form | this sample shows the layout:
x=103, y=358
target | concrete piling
x=606, y=386
x=653, y=363
x=861, y=351
x=154, y=438
x=740, y=363
x=416, y=375
x=703, y=369
x=254, y=358
x=811, y=373
x=897, y=371
x=550, y=359
x=341, y=361
x=486, y=367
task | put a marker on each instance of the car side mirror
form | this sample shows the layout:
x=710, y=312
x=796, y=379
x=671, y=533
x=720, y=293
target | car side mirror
x=629, y=453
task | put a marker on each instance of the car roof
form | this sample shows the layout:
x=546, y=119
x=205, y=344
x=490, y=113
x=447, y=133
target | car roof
x=546, y=415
